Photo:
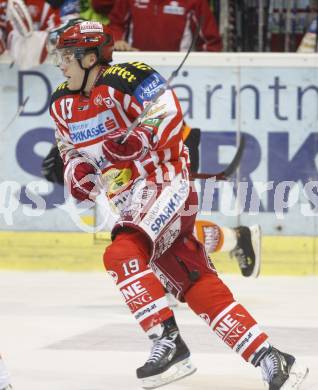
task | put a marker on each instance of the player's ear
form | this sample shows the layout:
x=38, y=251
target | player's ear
x=90, y=59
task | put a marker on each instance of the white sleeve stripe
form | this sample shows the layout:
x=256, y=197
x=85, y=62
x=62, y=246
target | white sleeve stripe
x=159, y=175
x=132, y=278
x=136, y=108
x=167, y=153
x=62, y=121
x=175, y=131
x=118, y=106
x=127, y=100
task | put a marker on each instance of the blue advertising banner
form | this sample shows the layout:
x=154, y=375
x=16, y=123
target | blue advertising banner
x=273, y=102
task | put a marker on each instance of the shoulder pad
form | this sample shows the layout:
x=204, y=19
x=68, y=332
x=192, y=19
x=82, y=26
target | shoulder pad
x=60, y=91
x=126, y=77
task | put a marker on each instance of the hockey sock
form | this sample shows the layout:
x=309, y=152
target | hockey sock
x=229, y=240
x=126, y=261
x=211, y=299
x=215, y=238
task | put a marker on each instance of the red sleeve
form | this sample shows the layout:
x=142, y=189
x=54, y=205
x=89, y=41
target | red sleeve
x=209, y=36
x=119, y=19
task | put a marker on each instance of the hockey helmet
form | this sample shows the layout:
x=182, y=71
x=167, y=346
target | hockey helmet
x=85, y=37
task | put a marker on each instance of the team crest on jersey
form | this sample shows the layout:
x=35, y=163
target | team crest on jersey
x=109, y=103
x=98, y=101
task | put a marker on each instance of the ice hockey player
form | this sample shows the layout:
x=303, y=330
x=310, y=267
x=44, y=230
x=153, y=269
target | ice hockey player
x=152, y=242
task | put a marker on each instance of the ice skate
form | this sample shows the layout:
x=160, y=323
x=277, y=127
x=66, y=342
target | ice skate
x=169, y=361
x=248, y=250
x=281, y=371
x=9, y=387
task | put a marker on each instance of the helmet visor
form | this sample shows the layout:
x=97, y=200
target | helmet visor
x=64, y=56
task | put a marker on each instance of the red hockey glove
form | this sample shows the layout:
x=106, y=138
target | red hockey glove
x=135, y=147
x=83, y=180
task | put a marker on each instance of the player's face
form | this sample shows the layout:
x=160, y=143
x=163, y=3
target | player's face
x=73, y=72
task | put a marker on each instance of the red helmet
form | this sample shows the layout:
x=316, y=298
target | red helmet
x=88, y=36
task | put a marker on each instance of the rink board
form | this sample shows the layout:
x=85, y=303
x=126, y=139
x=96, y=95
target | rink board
x=271, y=98
x=83, y=252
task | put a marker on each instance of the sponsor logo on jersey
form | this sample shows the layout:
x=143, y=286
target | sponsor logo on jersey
x=140, y=65
x=90, y=27
x=165, y=207
x=230, y=330
x=83, y=108
x=122, y=72
x=116, y=179
x=152, y=122
x=149, y=88
x=173, y=9
x=92, y=128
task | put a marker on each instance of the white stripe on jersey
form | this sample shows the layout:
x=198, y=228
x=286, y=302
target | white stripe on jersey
x=127, y=100
x=171, y=171
x=119, y=106
x=134, y=277
x=62, y=121
x=136, y=108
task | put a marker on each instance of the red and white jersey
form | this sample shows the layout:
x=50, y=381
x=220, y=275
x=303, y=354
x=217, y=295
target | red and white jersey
x=119, y=95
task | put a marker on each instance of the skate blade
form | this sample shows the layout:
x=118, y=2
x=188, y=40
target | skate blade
x=297, y=376
x=256, y=237
x=174, y=373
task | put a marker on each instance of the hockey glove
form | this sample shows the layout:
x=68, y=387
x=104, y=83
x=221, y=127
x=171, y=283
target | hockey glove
x=52, y=166
x=83, y=179
x=135, y=147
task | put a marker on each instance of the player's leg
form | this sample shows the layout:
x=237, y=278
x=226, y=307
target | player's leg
x=212, y=300
x=4, y=377
x=192, y=278
x=126, y=260
x=242, y=242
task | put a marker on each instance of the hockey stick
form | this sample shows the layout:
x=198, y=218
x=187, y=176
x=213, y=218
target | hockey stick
x=229, y=170
x=17, y=114
x=163, y=89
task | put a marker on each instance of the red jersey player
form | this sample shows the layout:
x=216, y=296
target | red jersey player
x=152, y=242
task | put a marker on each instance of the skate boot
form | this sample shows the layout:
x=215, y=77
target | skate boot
x=281, y=371
x=169, y=359
x=9, y=387
x=248, y=250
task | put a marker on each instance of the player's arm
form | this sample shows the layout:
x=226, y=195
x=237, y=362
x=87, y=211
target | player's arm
x=160, y=129
x=80, y=175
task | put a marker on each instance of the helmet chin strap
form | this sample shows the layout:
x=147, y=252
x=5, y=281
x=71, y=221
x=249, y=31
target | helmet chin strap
x=86, y=74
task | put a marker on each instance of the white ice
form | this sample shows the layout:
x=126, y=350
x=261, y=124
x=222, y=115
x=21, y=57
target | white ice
x=71, y=331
